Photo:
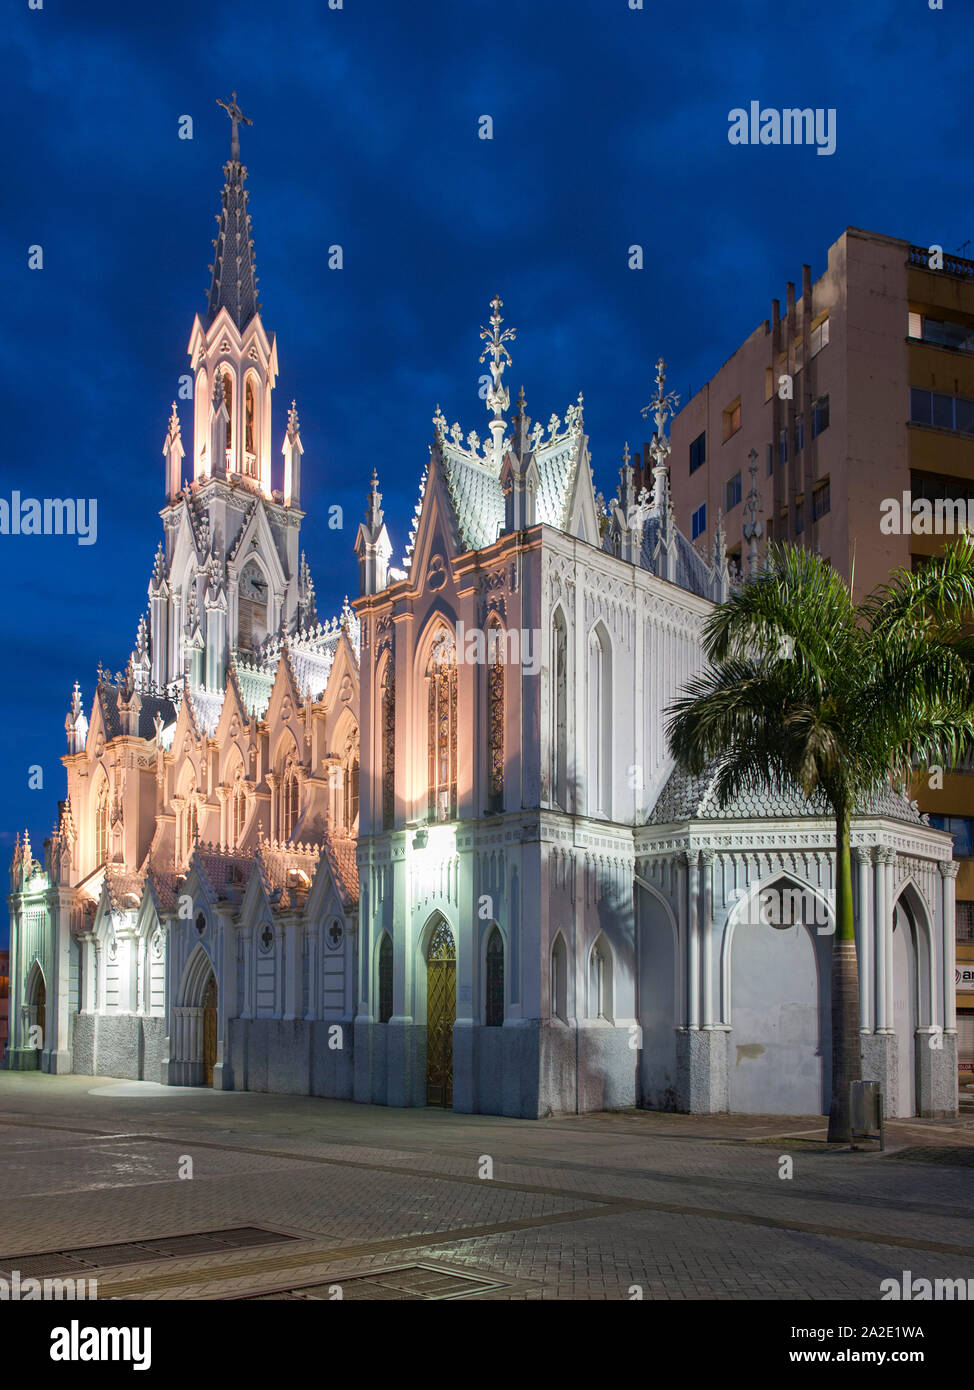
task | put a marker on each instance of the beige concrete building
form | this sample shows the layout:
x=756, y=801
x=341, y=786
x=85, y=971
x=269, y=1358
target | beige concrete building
x=860, y=391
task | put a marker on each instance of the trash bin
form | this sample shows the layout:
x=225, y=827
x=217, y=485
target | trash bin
x=866, y=1120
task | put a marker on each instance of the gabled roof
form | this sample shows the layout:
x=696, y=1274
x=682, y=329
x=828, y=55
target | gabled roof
x=106, y=695
x=686, y=797
x=692, y=571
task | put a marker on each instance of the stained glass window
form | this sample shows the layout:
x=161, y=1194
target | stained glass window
x=101, y=827
x=441, y=675
x=495, y=719
x=389, y=747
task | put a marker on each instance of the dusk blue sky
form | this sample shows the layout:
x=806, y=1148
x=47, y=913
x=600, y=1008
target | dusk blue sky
x=610, y=128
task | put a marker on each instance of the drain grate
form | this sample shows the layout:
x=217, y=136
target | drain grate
x=949, y=1156
x=407, y=1283
x=88, y=1257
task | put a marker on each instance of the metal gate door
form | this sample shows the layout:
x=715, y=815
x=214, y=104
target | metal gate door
x=441, y=1014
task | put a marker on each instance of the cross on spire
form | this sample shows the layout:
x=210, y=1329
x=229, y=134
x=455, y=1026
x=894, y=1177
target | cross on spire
x=236, y=116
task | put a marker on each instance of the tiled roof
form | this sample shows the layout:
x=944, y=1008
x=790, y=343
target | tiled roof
x=339, y=850
x=557, y=464
x=107, y=697
x=687, y=797
x=477, y=497
x=692, y=572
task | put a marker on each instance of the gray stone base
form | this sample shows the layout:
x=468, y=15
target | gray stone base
x=701, y=1070
x=879, y=1063
x=128, y=1046
x=937, y=1076
x=289, y=1057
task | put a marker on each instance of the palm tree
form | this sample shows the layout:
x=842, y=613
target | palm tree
x=805, y=687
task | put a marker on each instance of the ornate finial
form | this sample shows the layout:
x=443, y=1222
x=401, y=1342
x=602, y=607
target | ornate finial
x=625, y=455
x=663, y=406
x=174, y=431
x=236, y=116
x=439, y=423
x=373, y=512
x=498, y=397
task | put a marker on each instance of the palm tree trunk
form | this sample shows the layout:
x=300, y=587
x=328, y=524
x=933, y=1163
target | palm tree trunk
x=846, y=1042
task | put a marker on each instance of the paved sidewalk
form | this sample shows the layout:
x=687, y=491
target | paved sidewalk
x=407, y=1204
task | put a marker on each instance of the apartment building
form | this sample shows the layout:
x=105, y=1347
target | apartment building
x=859, y=393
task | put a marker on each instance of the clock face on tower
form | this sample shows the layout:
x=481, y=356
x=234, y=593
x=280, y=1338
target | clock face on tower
x=253, y=586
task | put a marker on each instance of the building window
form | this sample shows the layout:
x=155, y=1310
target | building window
x=821, y=501
x=799, y=516
x=290, y=802
x=441, y=681
x=495, y=718
x=559, y=979
x=600, y=981
x=101, y=825
x=770, y=531
x=732, y=419
x=599, y=722
x=769, y=449
x=799, y=433
x=350, y=778
x=732, y=492
x=698, y=452
x=698, y=521
x=818, y=338
x=385, y=978
x=559, y=712
x=228, y=401
x=964, y=921
x=190, y=826
x=238, y=817
x=494, y=1001
x=783, y=447
x=388, y=739
x=250, y=432
x=942, y=411
x=820, y=416
x=962, y=829
x=959, y=337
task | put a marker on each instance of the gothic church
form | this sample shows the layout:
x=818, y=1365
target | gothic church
x=370, y=858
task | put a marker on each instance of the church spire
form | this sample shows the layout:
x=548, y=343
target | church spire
x=234, y=284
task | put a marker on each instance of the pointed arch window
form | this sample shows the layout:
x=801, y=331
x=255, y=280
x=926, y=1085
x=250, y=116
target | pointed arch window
x=250, y=427
x=600, y=981
x=441, y=680
x=559, y=979
x=494, y=993
x=599, y=723
x=238, y=816
x=350, y=781
x=228, y=402
x=191, y=824
x=559, y=712
x=388, y=740
x=101, y=825
x=290, y=801
x=385, y=978
x=495, y=717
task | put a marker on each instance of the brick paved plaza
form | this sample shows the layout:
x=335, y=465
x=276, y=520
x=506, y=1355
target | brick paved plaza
x=391, y=1204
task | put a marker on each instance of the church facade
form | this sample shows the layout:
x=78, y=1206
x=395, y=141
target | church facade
x=434, y=850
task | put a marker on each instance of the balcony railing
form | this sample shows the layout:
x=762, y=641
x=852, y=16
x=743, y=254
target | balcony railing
x=953, y=265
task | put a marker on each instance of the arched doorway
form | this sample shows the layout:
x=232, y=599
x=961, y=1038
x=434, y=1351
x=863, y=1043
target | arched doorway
x=906, y=1007
x=37, y=1016
x=780, y=949
x=209, y=1031
x=441, y=1015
